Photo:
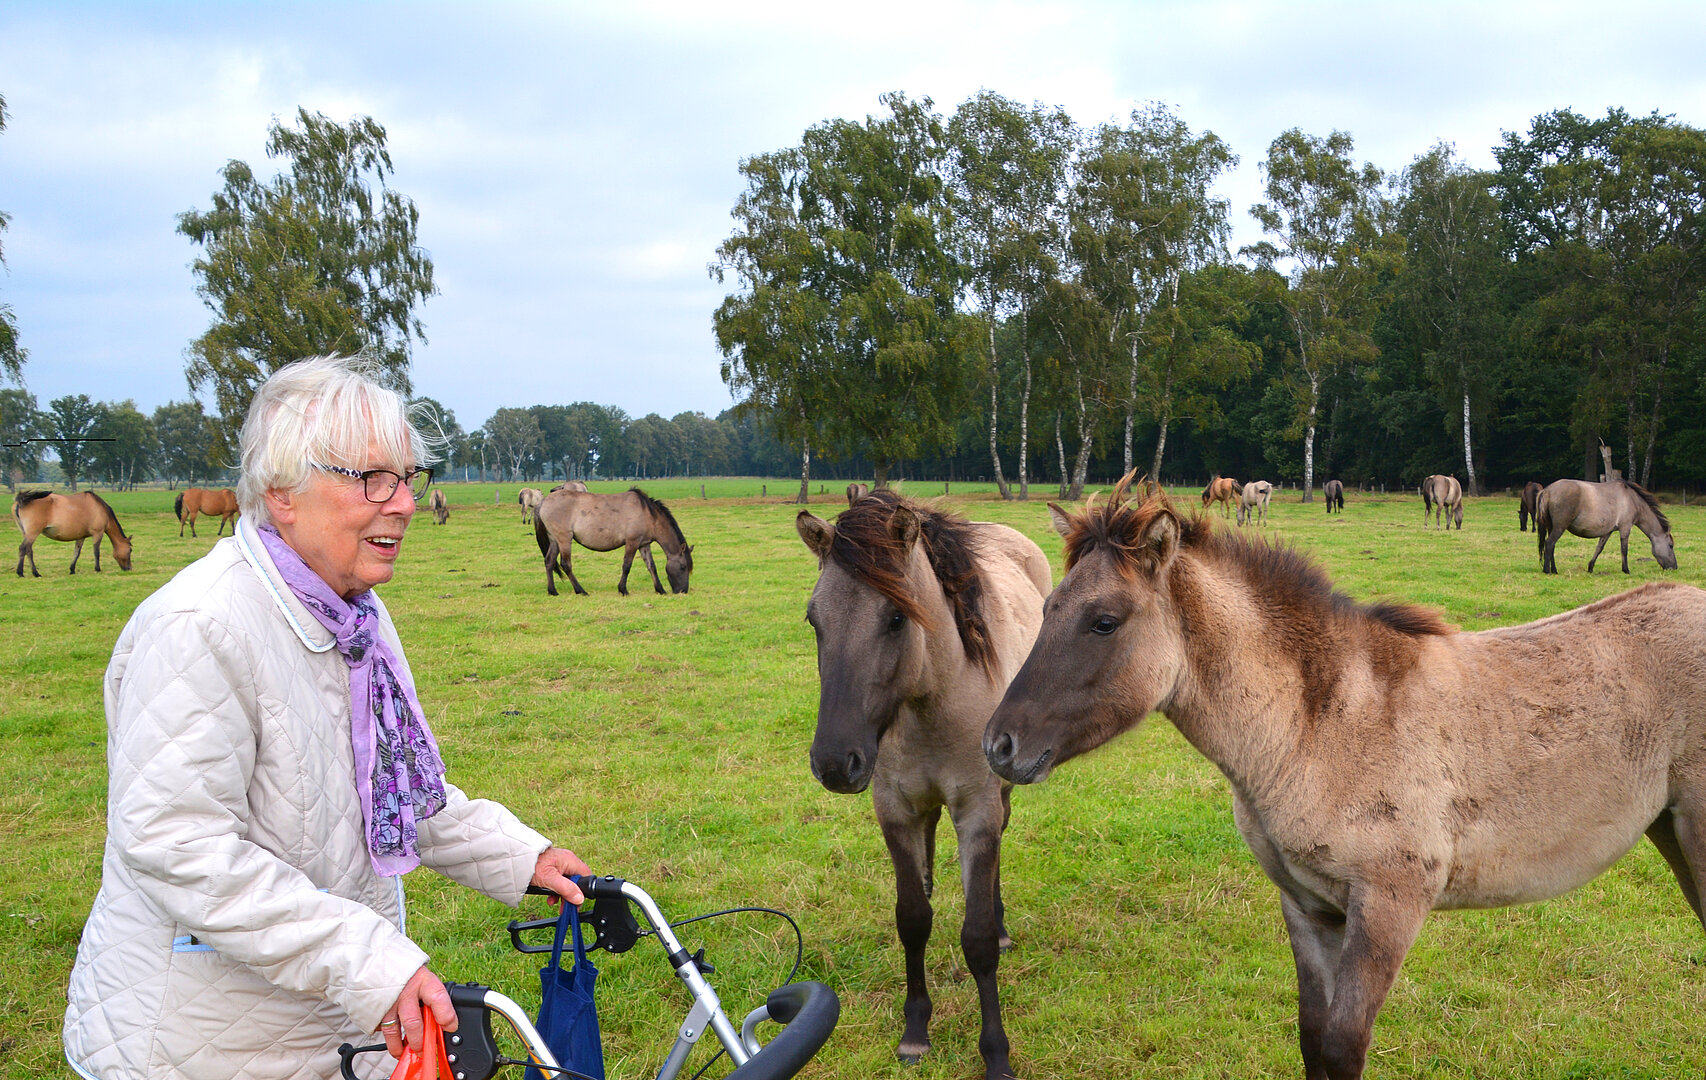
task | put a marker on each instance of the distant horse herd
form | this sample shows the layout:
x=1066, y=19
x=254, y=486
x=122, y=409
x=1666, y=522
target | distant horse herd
x=1383, y=764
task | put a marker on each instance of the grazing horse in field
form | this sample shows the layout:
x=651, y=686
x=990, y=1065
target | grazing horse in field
x=855, y=492
x=1223, y=490
x=1528, y=505
x=570, y=485
x=74, y=517
x=631, y=520
x=1253, y=500
x=440, y=507
x=1442, y=497
x=1382, y=764
x=921, y=619
x=221, y=504
x=529, y=500
x=1335, y=492
x=1598, y=510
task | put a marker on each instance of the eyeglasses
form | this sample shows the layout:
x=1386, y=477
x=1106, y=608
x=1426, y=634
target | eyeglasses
x=380, y=484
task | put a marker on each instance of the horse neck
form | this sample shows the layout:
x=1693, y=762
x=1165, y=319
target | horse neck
x=1237, y=710
x=663, y=534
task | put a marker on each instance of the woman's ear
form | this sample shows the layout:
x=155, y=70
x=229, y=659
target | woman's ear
x=281, y=506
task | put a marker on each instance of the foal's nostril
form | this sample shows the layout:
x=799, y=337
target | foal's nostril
x=1001, y=751
x=855, y=764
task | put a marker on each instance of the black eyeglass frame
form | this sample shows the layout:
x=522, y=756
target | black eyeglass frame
x=366, y=476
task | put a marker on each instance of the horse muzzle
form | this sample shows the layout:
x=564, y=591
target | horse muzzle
x=845, y=772
x=1013, y=763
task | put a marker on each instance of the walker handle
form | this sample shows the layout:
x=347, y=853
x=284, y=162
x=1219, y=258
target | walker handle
x=810, y=1011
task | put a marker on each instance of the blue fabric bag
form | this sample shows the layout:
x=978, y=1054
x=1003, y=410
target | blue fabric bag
x=568, y=1019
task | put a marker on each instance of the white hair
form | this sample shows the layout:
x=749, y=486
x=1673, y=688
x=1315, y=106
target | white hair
x=330, y=410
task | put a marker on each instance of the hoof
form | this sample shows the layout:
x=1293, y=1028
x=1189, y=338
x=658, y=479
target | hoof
x=911, y=1053
x=1006, y=944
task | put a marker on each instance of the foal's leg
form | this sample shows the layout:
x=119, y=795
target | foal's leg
x=75, y=555
x=627, y=562
x=1663, y=833
x=1624, y=538
x=979, y=827
x=1316, y=941
x=1380, y=927
x=906, y=832
x=98, y=540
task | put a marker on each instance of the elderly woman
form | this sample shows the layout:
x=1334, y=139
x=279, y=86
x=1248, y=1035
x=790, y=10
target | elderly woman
x=272, y=775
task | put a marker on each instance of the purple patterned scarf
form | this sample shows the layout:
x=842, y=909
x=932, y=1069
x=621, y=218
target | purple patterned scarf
x=399, y=777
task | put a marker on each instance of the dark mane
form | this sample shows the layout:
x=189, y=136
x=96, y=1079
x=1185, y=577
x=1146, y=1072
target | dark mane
x=1652, y=503
x=110, y=513
x=1289, y=579
x=658, y=509
x=865, y=547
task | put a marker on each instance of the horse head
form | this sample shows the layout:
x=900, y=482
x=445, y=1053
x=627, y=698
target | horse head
x=872, y=613
x=122, y=544
x=678, y=566
x=1111, y=647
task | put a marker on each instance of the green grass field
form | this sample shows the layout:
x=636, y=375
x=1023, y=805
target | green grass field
x=664, y=738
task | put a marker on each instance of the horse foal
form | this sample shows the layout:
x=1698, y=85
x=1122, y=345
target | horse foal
x=1382, y=764
x=72, y=518
x=921, y=620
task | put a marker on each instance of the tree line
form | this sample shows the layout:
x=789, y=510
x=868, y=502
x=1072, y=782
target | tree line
x=1003, y=292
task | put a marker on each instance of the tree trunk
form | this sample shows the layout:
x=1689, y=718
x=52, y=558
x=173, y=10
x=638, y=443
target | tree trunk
x=1468, y=449
x=994, y=408
x=1082, y=466
x=1025, y=407
x=1060, y=448
x=1161, y=441
x=1652, y=440
x=880, y=475
x=1309, y=439
x=1131, y=400
x=805, y=471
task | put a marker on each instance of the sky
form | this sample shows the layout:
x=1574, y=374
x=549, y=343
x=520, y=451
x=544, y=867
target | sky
x=574, y=164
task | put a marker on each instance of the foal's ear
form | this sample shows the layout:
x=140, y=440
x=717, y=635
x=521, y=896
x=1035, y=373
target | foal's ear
x=1061, y=520
x=817, y=533
x=903, y=526
x=1159, y=542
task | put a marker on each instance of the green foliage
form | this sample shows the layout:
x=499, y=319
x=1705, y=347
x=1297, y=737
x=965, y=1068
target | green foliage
x=188, y=442
x=321, y=259
x=128, y=447
x=12, y=355
x=69, y=424
x=20, y=424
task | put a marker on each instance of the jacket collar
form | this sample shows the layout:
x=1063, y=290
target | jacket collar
x=308, y=629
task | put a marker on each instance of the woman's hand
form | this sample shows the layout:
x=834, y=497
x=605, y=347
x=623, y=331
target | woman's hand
x=403, y=1022
x=553, y=870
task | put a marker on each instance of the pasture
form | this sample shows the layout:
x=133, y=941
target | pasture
x=664, y=738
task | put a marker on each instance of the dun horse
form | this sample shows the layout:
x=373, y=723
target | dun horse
x=855, y=492
x=1382, y=765
x=1253, y=500
x=631, y=520
x=440, y=507
x=921, y=620
x=1223, y=490
x=1528, y=506
x=529, y=500
x=1598, y=510
x=67, y=517
x=1442, y=497
x=1335, y=492
x=221, y=504
x=570, y=485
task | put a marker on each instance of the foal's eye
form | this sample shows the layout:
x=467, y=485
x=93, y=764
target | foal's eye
x=897, y=620
x=1105, y=624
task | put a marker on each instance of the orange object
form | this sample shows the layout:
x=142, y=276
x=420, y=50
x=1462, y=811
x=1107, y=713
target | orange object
x=430, y=1063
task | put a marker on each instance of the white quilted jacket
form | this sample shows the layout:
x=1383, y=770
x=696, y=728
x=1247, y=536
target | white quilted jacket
x=240, y=930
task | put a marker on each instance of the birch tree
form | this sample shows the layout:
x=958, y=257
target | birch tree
x=1323, y=214
x=1009, y=170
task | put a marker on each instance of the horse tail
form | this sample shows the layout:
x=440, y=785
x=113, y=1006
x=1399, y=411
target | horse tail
x=1427, y=497
x=1542, y=520
x=26, y=497
x=178, y=507
x=541, y=534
